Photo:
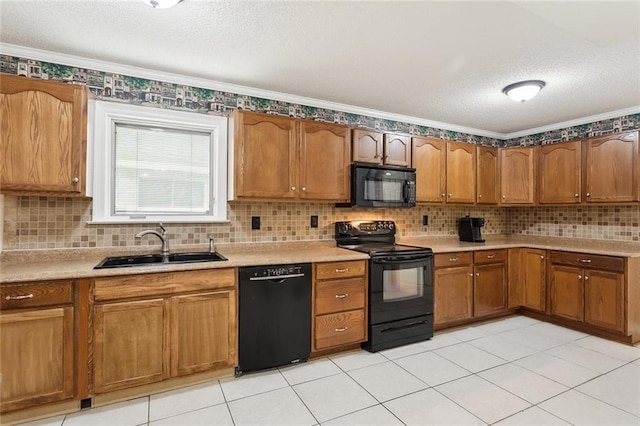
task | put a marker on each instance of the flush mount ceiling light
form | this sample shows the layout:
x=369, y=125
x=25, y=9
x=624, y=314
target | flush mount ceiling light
x=523, y=90
x=161, y=4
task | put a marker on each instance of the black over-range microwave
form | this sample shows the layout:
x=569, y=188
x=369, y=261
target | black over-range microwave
x=382, y=186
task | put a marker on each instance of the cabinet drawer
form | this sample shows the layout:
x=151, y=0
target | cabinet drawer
x=331, y=270
x=339, y=295
x=588, y=260
x=29, y=295
x=489, y=256
x=453, y=259
x=339, y=329
x=134, y=286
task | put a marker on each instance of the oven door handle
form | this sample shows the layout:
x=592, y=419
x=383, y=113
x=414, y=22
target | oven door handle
x=400, y=260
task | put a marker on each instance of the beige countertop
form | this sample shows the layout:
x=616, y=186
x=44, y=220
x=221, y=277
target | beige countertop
x=35, y=265
x=76, y=263
x=452, y=244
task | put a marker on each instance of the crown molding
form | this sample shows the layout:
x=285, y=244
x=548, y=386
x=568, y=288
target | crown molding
x=116, y=68
x=576, y=122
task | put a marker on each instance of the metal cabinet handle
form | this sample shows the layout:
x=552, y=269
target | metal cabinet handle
x=579, y=277
x=584, y=260
x=304, y=189
x=471, y=274
x=479, y=195
x=341, y=329
x=450, y=195
x=477, y=274
x=26, y=296
x=586, y=278
x=491, y=256
x=576, y=195
x=293, y=188
x=75, y=180
x=342, y=296
x=453, y=259
x=341, y=271
x=504, y=196
x=588, y=194
x=542, y=257
x=442, y=195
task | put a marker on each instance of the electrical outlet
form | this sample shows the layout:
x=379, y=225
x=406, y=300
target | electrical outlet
x=314, y=221
x=425, y=220
x=255, y=222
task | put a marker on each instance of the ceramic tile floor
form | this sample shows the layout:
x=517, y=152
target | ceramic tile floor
x=515, y=371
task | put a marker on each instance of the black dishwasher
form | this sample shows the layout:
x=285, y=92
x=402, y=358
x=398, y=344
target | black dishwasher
x=274, y=316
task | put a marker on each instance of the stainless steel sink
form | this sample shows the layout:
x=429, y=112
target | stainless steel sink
x=158, y=259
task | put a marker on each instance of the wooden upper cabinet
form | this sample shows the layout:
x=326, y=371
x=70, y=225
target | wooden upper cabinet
x=611, y=168
x=43, y=137
x=397, y=150
x=429, y=158
x=559, y=173
x=367, y=146
x=487, y=174
x=461, y=172
x=285, y=158
x=325, y=156
x=517, y=171
x=265, y=156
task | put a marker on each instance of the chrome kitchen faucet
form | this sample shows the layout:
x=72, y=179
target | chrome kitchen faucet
x=164, y=237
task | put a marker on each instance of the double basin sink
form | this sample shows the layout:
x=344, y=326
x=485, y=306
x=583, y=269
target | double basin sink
x=158, y=259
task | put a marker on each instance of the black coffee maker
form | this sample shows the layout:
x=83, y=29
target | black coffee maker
x=469, y=229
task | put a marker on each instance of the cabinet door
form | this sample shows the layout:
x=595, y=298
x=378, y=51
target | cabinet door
x=534, y=279
x=517, y=175
x=367, y=146
x=429, y=157
x=43, y=135
x=461, y=172
x=265, y=156
x=203, y=332
x=611, y=168
x=36, y=357
x=397, y=150
x=453, y=294
x=604, y=299
x=490, y=289
x=130, y=344
x=325, y=156
x=487, y=175
x=567, y=292
x=559, y=173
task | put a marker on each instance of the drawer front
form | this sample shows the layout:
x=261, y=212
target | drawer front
x=339, y=295
x=339, y=329
x=134, y=286
x=332, y=270
x=444, y=260
x=29, y=295
x=489, y=256
x=588, y=260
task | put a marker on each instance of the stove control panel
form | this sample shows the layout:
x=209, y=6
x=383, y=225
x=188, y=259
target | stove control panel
x=370, y=227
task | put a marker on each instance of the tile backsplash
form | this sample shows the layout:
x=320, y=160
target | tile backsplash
x=32, y=223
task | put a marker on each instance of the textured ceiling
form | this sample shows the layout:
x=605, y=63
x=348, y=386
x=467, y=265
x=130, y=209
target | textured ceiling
x=440, y=61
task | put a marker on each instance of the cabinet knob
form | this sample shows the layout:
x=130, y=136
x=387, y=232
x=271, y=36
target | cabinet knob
x=588, y=194
x=479, y=195
x=542, y=257
x=304, y=189
x=579, y=277
x=450, y=195
x=293, y=188
x=75, y=180
x=442, y=195
x=477, y=274
x=504, y=196
x=471, y=274
x=576, y=195
x=586, y=278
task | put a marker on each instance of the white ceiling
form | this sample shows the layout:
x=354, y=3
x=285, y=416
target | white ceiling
x=443, y=61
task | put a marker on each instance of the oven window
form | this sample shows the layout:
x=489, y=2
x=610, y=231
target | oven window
x=402, y=284
x=383, y=190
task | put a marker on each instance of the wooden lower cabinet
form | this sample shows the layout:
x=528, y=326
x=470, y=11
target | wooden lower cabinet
x=593, y=294
x=453, y=294
x=36, y=357
x=163, y=335
x=534, y=279
x=339, y=304
x=202, y=332
x=489, y=289
x=131, y=344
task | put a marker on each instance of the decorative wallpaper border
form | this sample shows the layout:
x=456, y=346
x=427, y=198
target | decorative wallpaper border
x=162, y=94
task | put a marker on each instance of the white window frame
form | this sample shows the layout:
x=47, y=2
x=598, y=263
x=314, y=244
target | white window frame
x=108, y=113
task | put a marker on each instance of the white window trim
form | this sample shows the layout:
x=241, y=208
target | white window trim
x=105, y=113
